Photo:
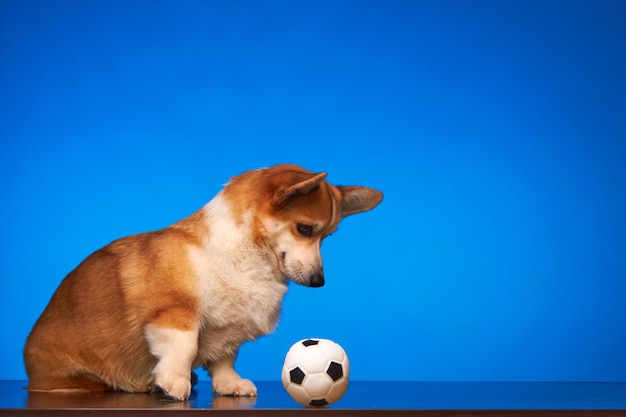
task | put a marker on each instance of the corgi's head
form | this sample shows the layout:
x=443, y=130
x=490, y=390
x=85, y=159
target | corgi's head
x=295, y=210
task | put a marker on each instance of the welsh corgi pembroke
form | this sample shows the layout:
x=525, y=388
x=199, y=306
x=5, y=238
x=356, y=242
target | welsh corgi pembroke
x=142, y=313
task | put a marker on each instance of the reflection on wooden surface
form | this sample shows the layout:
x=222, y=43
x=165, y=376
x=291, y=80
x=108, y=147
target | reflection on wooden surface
x=233, y=403
x=133, y=401
x=484, y=399
x=99, y=400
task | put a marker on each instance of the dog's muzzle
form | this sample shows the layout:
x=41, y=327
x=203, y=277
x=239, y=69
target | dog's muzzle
x=316, y=280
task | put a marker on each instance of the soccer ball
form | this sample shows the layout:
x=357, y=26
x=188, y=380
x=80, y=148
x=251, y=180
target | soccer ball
x=316, y=372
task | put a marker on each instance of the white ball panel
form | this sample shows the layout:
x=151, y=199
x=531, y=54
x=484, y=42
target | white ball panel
x=299, y=394
x=337, y=390
x=317, y=385
x=315, y=360
x=332, y=350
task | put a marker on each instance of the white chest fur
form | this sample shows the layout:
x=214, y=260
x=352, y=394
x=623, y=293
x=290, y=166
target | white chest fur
x=239, y=290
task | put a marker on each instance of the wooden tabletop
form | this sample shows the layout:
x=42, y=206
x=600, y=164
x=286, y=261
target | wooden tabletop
x=362, y=398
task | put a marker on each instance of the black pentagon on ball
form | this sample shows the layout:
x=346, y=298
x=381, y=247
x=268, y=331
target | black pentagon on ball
x=318, y=403
x=296, y=376
x=310, y=342
x=335, y=371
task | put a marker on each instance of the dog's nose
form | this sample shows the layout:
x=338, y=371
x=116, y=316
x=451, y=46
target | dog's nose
x=317, y=280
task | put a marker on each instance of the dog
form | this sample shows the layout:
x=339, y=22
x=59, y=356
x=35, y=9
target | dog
x=140, y=314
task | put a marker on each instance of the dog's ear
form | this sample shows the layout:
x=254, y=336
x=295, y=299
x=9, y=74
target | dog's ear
x=303, y=187
x=355, y=199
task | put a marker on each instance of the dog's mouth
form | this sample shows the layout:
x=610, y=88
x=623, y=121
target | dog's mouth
x=297, y=275
x=280, y=260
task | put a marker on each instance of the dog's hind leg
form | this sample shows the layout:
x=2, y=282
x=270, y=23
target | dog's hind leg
x=60, y=378
x=48, y=371
x=70, y=383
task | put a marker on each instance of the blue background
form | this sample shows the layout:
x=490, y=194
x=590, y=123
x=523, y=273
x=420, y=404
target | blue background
x=496, y=129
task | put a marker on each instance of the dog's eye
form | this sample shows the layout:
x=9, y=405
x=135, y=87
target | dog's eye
x=305, y=229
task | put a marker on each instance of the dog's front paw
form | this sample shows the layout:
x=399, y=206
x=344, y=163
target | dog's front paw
x=234, y=386
x=177, y=389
